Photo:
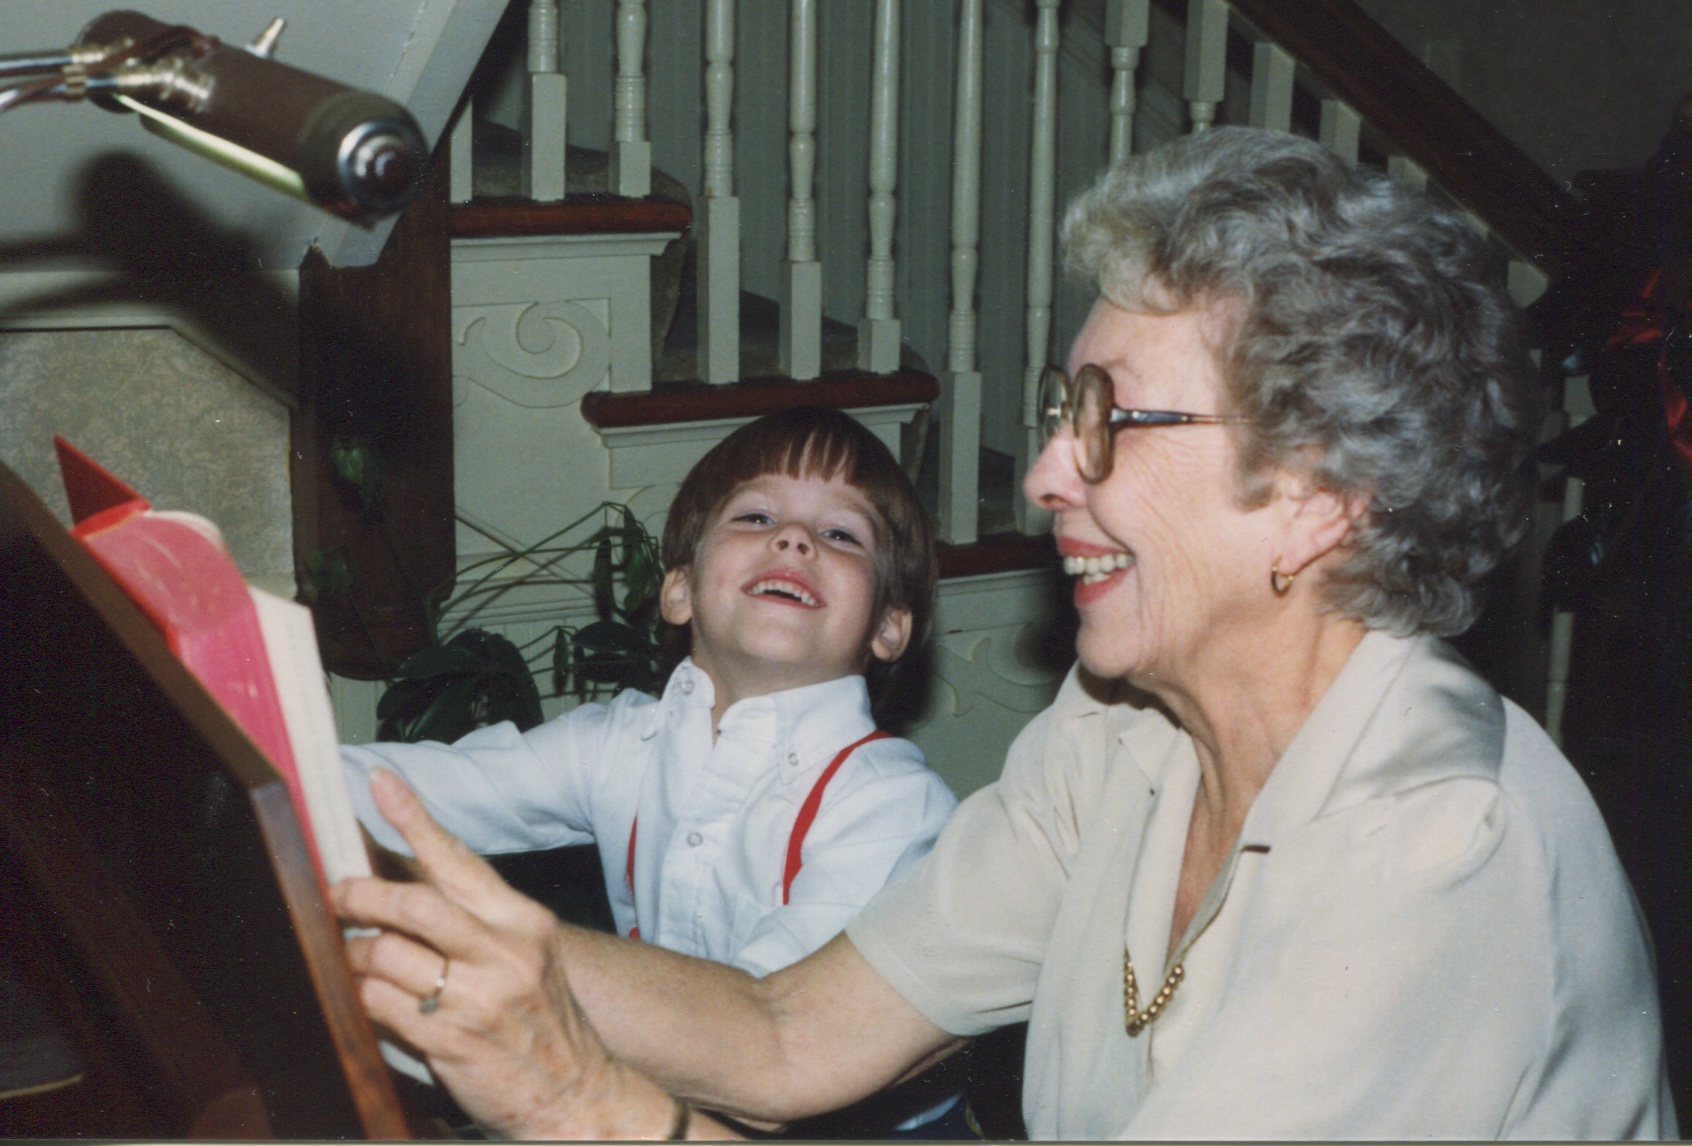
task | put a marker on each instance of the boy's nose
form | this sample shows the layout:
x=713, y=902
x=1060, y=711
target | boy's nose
x=793, y=536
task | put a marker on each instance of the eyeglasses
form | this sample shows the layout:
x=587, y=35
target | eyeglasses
x=1085, y=406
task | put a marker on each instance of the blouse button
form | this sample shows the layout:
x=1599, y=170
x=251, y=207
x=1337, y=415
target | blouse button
x=694, y=839
x=687, y=686
x=793, y=759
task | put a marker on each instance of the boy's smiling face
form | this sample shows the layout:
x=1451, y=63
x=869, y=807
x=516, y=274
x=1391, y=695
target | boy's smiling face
x=782, y=590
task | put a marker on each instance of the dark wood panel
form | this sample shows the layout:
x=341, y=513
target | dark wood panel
x=376, y=369
x=587, y=214
x=161, y=847
x=697, y=402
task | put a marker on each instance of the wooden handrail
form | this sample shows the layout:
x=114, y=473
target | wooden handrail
x=593, y=213
x=998, y=553
x=1471, y=160
x=696, y=402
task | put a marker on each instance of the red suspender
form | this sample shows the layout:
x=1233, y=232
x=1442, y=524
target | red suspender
x=808, y=812
x=628, y=874
x=801, y=825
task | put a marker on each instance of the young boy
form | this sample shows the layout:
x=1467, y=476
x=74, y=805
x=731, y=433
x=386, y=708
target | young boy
x=747, y=814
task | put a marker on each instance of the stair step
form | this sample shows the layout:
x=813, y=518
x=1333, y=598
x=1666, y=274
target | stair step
x=670, y=403
x=589, y=213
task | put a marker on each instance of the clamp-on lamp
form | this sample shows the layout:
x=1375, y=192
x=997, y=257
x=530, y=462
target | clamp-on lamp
x=352, y=153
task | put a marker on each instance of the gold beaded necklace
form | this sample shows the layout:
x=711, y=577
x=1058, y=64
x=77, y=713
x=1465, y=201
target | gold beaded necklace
x=1133, y=1018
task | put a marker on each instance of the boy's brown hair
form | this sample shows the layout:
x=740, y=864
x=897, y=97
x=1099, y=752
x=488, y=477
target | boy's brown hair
x=815, y=441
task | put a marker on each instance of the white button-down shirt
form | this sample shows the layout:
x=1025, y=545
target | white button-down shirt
x=714, y=818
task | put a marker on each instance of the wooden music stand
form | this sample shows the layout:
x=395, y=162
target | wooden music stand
x=155, y=889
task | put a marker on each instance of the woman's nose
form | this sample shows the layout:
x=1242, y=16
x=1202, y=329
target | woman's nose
x=1053, y=482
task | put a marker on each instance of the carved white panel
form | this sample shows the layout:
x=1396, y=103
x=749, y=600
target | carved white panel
x=542, y=321
x=989, y=677
x=540, y=354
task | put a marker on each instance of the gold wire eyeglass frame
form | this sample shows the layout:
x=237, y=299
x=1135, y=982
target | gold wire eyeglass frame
x=1085, y=405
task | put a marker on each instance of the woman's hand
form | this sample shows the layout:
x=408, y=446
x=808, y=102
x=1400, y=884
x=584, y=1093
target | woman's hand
x=464, y=969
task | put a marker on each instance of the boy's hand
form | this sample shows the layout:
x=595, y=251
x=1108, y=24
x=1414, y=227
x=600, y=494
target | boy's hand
x=503, y=1033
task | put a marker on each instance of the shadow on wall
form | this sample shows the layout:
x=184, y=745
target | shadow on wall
x=162, y=254
x=361, y=356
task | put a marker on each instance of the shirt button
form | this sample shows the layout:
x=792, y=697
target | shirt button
x=694, y=839
x=687, y=686
x=793, y=759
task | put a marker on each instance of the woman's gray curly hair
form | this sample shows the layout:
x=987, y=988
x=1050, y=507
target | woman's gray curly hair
x=1372, y=347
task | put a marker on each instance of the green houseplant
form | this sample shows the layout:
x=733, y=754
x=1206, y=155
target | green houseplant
x=467, y=676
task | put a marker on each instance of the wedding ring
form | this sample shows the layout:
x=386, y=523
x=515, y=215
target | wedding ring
x=431, y=1002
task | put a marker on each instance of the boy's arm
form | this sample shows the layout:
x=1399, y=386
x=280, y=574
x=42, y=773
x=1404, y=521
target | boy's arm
x=497, y=789
x=881, y=814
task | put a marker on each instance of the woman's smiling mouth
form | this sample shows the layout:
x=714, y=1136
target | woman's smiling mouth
x=1093, y=569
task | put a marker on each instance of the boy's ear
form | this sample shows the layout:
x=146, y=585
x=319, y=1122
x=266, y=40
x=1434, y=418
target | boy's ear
x=675, y=599
x=891, y=635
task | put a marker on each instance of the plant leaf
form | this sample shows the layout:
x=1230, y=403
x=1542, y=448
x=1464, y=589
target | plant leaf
x=438, y=660
x=562, y=659
x=604, y=592
x=449, y=715
x=638, y=579
x=610, y=637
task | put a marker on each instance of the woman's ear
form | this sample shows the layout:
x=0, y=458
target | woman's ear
x=675, y=598
x=892, y=635
x=1321, y=521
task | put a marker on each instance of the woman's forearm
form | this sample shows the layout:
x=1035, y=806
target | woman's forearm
x=809, y=1038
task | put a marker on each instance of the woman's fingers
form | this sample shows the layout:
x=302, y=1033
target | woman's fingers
x=404, y=962
x=446, y=863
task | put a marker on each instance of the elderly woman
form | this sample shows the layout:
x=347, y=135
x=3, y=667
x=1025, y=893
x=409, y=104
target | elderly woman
x=1276, y=863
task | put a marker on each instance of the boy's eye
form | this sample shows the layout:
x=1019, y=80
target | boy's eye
x=845, y=537
x=754, y=517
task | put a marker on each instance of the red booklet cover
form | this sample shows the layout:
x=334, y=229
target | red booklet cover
x=174, y=566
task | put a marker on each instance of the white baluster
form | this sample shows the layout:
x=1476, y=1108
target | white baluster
x=801, y=284
x=960, y=418
x=878, y=330
x=1127, y=23
x=545, y=106
x=462, y=177
x=1407, y=170
x=719, y=241
x=1206, y=73
x=1341, y=129
x=1577, y=408
x=1042, y=221
x=1271, y=87
x=631, y=151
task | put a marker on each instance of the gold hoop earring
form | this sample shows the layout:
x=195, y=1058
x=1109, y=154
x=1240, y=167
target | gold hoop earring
x=1279, y=582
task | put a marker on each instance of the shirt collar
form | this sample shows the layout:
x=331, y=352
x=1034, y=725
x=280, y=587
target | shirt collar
x=1404, y=711
x=689, y=687
x=811, y=723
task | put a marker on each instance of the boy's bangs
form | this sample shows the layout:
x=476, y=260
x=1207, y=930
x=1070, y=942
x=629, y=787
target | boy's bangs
x=820, y=454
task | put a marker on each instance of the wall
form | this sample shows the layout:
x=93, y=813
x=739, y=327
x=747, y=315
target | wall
x=1576, y=84
x=175, y=423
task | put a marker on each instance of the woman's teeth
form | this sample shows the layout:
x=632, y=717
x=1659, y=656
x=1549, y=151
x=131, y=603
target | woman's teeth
x=1095, y=569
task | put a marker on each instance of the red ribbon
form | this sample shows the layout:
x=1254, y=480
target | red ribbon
x=1642, y=326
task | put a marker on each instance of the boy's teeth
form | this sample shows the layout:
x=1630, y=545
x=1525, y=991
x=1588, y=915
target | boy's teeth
x=1096, y=568
x=786, y=588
